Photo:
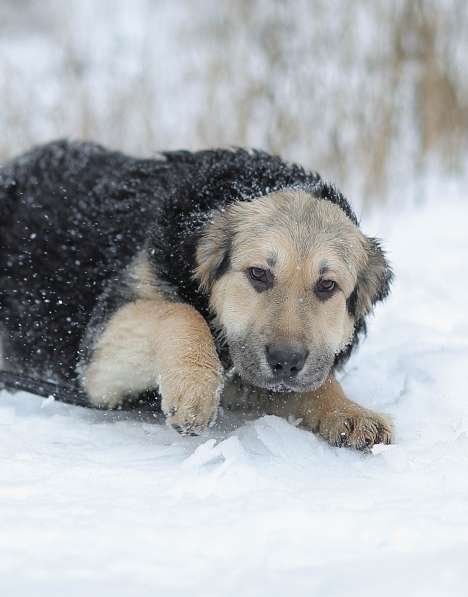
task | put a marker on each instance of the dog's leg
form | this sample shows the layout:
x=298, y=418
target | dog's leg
x=340, y=421
x=156, y=343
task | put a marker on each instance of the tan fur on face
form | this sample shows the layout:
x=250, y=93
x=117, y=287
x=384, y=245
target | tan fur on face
x=296, y=236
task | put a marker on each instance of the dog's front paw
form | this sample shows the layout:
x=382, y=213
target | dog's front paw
x=356, y=428
x=190, y=400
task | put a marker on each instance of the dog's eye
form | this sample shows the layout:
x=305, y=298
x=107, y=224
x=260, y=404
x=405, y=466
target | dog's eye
x=325, y=287
x=262, y=279
x=258, y=274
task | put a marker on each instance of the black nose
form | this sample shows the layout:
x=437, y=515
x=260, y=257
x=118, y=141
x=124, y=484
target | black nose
x=286, y=360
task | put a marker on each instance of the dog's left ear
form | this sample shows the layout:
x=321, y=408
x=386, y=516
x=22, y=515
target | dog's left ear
x=373, y=281
x=213, y=252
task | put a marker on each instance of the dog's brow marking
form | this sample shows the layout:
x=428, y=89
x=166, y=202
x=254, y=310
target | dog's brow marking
x=271, y=259
x=324, y=267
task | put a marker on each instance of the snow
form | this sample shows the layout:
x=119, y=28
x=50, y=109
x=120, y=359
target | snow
x=95, y=503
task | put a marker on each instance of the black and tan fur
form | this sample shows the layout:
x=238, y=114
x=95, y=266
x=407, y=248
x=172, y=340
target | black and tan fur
x=121, y=275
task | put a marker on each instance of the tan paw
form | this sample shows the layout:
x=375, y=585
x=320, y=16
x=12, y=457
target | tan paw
x=190, y=399
x=356, y=428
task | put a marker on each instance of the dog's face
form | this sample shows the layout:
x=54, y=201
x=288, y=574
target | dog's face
x=288, y=276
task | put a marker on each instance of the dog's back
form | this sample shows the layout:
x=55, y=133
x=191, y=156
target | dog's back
x=67, y=225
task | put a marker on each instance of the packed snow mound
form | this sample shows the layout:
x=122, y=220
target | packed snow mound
x=96, y=503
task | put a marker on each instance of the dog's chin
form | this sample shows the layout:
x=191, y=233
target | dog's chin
x=285, y=386
x=296, y=386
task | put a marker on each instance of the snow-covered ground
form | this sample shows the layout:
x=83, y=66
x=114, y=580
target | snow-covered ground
x=105, y=504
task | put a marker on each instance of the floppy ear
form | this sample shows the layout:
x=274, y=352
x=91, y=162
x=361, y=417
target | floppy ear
x=213, y=252
x=373, y=281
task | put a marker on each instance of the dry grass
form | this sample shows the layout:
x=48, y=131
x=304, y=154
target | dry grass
x=357, y=90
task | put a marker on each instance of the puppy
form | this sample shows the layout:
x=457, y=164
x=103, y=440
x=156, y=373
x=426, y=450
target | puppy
x=121, y=275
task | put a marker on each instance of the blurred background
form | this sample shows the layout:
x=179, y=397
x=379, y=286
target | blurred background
x=371, y=93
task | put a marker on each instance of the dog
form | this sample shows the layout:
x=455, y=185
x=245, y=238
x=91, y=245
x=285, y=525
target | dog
x=120, y=276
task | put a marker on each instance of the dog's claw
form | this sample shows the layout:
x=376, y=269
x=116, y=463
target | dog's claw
x=184, y=431
x=360, y=431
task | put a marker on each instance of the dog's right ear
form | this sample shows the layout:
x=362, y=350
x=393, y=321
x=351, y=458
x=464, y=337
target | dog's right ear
x=213, y=251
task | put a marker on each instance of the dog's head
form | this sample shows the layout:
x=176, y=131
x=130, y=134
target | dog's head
x=289, y=276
